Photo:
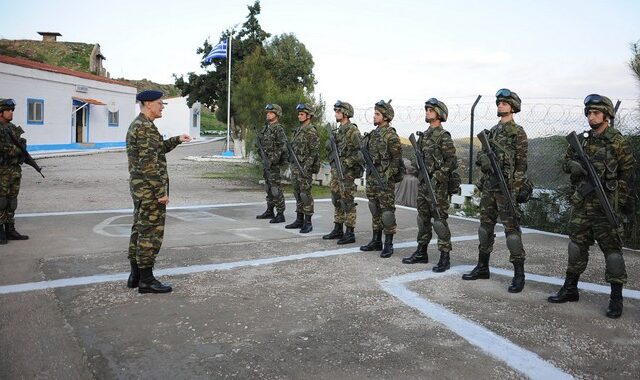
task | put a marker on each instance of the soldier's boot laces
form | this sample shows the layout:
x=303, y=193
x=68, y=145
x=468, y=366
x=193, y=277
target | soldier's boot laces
x=336, y=233
x=375, y=244
x=296, y=223
x=615, y=302
x=568, y=292
x=387, y=251
x=444, y=263
x=348, y=237
x=12, y=234
x=481, y=271
x=267, y=214
x=149, y=284
x=3, y=236
x=306, y=225
x=279, y=218
x=419, y=256
x=134, y=276
x=517, y=283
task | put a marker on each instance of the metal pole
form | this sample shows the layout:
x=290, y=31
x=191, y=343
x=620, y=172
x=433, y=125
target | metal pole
x=471, y=135
x=615, y=111
x=229, y=96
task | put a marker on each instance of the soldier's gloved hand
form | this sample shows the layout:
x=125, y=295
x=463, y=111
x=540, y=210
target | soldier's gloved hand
x=440, y=176
x=485, y=163
x=576, y=168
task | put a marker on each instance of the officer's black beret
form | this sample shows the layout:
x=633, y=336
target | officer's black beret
x=149, y=96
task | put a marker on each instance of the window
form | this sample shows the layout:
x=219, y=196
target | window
x=195, y=120
x=35, y=111
x=114, y=118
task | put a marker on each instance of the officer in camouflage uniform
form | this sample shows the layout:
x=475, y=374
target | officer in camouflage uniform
x=272, y=139
x=149, y=186
x=348, y=142
x=612, y=159
x=305, y=145
x=440, y=160
x=11, y=158
x=384, y=146
x=509, y=142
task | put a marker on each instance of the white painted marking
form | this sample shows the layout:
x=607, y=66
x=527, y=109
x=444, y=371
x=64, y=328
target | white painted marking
x=246, y=236
x=101, y=228
x=199, y=216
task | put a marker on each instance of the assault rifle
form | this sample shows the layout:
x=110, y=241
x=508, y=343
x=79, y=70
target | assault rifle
x=371, y=168
x=334, y=156
x=266, y=164
x=25, y=154
x=292, y=155
x=497, y=171
x=593, y=181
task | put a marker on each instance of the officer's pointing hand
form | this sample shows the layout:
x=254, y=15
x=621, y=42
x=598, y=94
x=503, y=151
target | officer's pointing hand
x=164, y=200
x=185, y=137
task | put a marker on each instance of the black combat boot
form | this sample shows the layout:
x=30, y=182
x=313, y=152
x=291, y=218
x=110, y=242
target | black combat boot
x=279, y=218
x=348, y=237
x=149, y=284
x=336, y=233
x=481, y=271
x=267, y=214
x=517, y=283
x=569, y=291
x=3, y=236
x=419, y=256
x=298, y=223
x=375, y=244
x=12, y=234
x=387, y=251
x=443, y=264
x=306, y=226
x=134, y=276
x=615, y=302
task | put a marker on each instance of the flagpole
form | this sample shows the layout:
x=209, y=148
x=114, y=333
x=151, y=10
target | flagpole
x=228, y=152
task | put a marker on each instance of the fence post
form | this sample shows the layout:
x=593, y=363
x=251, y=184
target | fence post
x=473, y=109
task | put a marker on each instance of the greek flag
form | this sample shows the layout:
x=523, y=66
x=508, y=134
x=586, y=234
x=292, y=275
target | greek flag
x=218, y=51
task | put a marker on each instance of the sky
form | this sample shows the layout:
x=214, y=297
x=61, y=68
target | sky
x=405, y=50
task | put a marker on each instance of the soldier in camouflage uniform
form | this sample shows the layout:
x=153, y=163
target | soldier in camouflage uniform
x=612, y=159
x=384, y=146
x=509, y=142
x=305, y=145
x=272, y=139
x=348, y=142
x=11, y=158
x=149, y=186
x=440, y=160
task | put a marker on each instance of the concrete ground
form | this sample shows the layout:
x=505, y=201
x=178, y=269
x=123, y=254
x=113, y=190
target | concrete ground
x=254, y=300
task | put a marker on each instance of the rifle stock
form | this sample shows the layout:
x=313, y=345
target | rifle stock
x=25, y=154
x=371, y=168
x=266, y=164
x=334, y=156
x=426, y=178
x=292, y=155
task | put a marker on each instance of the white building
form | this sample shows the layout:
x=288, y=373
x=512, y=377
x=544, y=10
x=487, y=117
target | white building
x=177, y=118
x=61, y=108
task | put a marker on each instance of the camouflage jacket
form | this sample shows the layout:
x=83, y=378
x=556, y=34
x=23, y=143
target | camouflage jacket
x=10, y=153
x=148, y=177
x=348, y=142
x=272, y=139
x=438, y=151
x=510, y=144
x=384, y=146
x=306, y=146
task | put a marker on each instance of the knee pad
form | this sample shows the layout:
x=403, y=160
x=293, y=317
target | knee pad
x=441, y=230
x=373, y=208
x=4, y=203
x=485, y=236
x=574, y=252
x=514, y=243
x=275, y=192
x=305, y=198
x=13, y=204
x=388, y=219
x=615, y=264
x=334, y=199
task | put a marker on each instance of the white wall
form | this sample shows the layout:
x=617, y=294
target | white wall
x=177, y=118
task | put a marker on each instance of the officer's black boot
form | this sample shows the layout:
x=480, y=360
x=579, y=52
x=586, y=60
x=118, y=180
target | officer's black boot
x=336, y=233
x=267, y=214
x=481, y=271
x=298, y=223
x=444, y=262
x=568, y=292
x=615, y=302
x=517, y=283
x=12, y=234
x=3, y=236
x=387, y=251
x=375, y=244
x=149, y=284
x=279, y=218
x=134, y=276
x=419, y=256
x=348, y=237
x=306, y=226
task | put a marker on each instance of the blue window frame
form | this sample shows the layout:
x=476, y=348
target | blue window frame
x=35, y=111
x=114, y=118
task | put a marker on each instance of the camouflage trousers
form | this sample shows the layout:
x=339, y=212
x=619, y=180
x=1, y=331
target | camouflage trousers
x=382, y=206
x=492, y=205
x=302, y=193
x=589, y=224
x=426, y=211
x=275, y=197
x=343, y=204
x=9, y=188
x=147, y=231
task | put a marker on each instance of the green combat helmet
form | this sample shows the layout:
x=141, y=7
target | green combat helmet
x=439, y=107
x=272, y=107
x=385, y=109
x=509, y=97
x=600, y=103
x=344, y=107
x=306, y=108
x=7, y=104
